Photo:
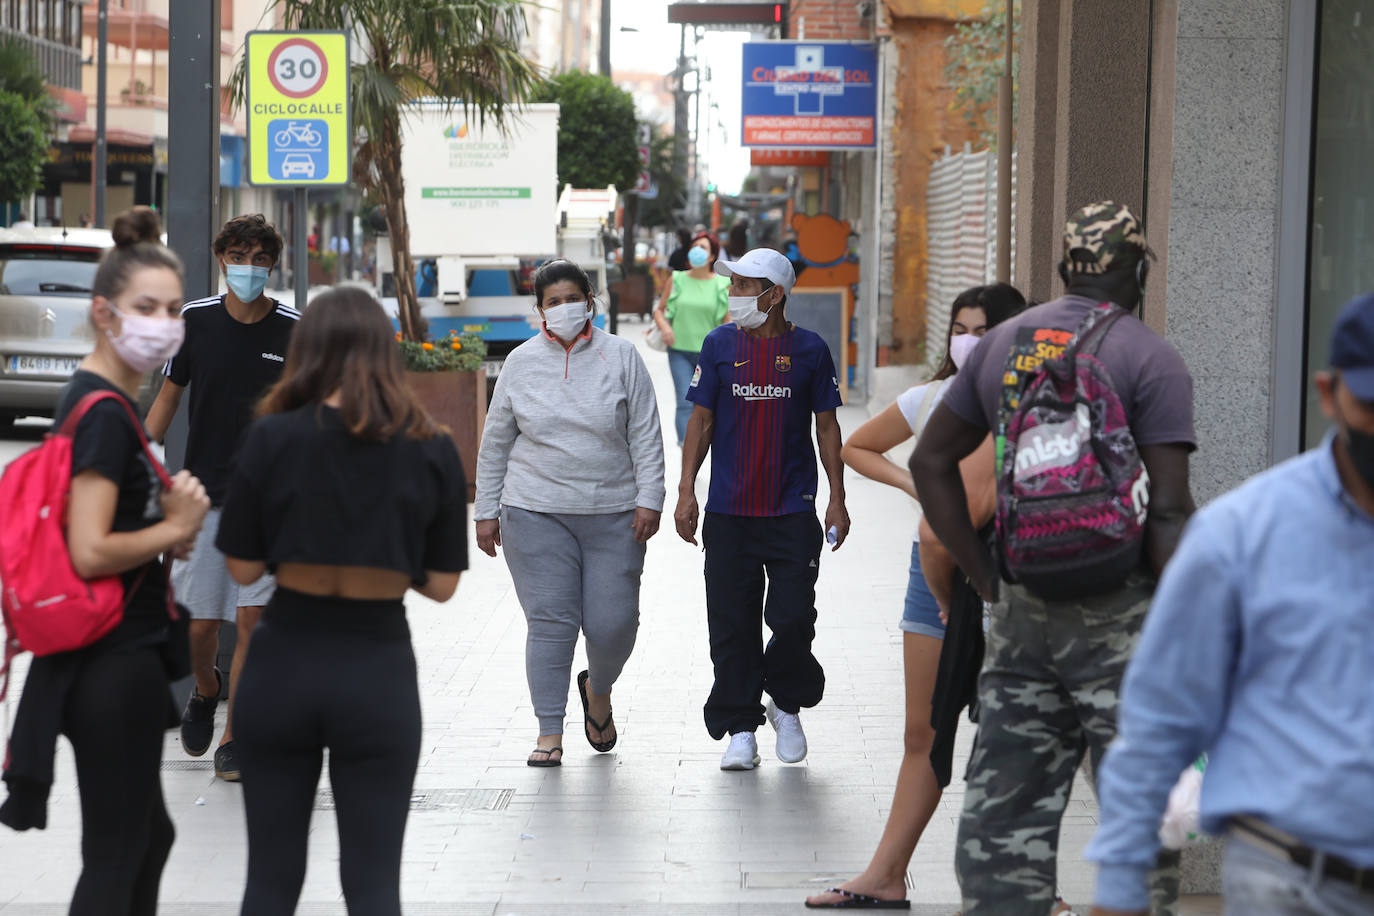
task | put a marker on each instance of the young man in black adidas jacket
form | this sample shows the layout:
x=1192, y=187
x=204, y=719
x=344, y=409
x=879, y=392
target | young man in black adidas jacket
x=234, y=351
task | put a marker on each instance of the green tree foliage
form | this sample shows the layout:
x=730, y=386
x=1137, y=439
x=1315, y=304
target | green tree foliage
x=976, y=55
x=658, y=211
x=597, y=143
x=21, y=74
x=23, y=146
x=467, y=51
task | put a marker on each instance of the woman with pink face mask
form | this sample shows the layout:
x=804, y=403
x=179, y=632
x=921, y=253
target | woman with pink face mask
x=923, y=627
x=111, y=698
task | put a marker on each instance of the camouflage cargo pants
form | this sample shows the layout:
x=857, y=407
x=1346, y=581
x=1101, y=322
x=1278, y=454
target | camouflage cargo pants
x=1049, y=690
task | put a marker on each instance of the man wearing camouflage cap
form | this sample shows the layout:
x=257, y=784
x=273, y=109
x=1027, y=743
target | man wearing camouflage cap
x=1055, y=656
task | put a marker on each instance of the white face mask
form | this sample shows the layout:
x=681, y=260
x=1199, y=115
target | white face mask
x=960, y=346
x=566, y=321
x=144, y=343
x=744, y=312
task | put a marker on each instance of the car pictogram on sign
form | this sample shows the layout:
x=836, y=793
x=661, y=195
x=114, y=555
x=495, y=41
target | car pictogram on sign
x=297, y=165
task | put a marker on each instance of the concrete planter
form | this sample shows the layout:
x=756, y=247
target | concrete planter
x=459, y=401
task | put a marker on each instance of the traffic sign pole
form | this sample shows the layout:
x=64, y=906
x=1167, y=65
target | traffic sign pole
x=300, y=245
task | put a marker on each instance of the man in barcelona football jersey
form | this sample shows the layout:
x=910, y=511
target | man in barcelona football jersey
x=758, y=382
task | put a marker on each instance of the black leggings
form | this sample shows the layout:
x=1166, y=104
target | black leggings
x=338, y=674
x=115, y=718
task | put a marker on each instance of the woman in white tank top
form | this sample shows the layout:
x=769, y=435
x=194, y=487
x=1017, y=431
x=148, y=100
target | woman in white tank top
x=918, y=790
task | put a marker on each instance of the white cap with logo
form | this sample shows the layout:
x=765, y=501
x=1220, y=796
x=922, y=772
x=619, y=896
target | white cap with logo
x=761, y=263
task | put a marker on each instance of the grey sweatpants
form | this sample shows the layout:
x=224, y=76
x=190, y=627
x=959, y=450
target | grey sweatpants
x=571, y=573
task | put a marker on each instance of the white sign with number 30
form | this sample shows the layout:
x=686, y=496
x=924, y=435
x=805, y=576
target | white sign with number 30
x=298, y=68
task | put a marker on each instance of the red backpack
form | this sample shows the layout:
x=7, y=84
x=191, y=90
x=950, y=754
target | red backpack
x=47, y=607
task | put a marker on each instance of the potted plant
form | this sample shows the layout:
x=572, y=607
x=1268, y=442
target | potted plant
x=321, y=268
x=447, y=376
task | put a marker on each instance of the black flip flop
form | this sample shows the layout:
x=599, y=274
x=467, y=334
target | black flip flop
x=603, y=746
x=548, y=760
x=856, y=901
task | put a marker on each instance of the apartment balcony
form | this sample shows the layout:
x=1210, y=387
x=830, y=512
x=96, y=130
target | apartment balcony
x=137, y=30
x=61, y=63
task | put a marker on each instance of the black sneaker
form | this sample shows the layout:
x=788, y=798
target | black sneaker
x=198, y=721
x=227, y=763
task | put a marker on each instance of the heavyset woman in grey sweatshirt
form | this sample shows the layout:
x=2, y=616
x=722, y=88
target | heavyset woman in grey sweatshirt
x=570, y=485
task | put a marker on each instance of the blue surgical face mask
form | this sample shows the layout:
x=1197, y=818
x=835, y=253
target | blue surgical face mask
x=246, y=281
x=697, y=257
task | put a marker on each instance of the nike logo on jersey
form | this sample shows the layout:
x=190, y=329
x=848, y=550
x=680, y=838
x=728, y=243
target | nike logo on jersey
x=745, y=363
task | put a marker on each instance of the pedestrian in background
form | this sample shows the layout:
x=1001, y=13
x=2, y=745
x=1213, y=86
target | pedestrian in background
x=737, y=242
x=918, y=791
x=678, y=259
x=350, y=494
x=695, y=303
x=111, y=698
x=570, y=483
x=1257, y=651
x=234, y=351
x=1059, y=641
x=758, y=383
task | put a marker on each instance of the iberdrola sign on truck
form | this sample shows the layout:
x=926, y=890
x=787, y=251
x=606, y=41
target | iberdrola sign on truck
x=483, y=211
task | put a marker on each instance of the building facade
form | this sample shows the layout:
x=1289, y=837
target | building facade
x=137, y=73
x=1240, y=131
x=51, y=31
x=563, y=34
x=882, y=193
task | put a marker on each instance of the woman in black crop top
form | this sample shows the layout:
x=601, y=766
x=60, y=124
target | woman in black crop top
x=111, y=698
x=351, y=494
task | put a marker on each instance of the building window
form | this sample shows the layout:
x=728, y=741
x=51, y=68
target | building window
x=1341, y=247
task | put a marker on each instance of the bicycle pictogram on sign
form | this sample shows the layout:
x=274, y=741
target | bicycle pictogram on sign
x=298, y=149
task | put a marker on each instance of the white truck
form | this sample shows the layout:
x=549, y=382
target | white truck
x=483, y=215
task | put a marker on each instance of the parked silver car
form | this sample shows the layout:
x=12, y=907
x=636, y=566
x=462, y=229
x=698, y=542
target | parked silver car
x=45, y=329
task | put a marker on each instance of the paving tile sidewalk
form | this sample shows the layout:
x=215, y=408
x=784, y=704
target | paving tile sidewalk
x=653, y=827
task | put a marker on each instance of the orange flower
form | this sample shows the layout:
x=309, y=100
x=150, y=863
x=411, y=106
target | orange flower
x=457, y=345
x=427, y=346
x=398, y=335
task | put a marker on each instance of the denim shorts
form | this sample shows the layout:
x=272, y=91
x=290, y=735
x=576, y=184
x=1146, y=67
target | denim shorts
x=921, y=615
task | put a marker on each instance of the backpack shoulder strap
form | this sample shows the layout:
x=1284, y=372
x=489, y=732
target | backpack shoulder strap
x=83, y=407
x=1095, y=327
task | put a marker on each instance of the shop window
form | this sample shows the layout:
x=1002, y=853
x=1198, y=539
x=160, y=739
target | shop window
x=1341, y=259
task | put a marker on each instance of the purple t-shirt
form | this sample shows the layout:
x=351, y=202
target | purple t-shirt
x=1148, y=374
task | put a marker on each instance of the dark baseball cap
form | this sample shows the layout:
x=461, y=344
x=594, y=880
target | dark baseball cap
x=1352, y=346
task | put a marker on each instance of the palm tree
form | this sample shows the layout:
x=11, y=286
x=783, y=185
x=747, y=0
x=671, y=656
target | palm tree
x=467, y=51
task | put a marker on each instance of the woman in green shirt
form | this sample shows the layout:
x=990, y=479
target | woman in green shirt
x=694, y=303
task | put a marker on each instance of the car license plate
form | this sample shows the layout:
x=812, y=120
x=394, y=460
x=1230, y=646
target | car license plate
x=54, y=366
x=492, y=367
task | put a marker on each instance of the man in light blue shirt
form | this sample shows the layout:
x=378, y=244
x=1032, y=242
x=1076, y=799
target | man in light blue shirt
x=1259, y=650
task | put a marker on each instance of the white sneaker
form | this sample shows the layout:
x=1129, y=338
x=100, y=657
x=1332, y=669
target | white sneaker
x=791, y=744
x=742, y=754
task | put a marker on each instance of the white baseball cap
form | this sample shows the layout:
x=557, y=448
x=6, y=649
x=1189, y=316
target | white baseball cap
x=762, y=264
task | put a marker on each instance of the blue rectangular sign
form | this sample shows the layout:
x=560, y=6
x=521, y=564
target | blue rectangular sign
x=810, y=95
